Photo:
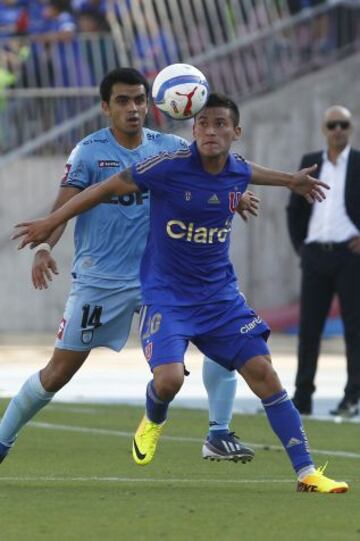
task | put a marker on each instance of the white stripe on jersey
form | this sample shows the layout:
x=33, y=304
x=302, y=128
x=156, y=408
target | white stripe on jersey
x=143, y=312
x=142, y=167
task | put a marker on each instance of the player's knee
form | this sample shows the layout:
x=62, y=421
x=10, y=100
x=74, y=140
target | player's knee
x=266, y=374
x=54, y=376
x=168, y=382
x=61, y=368
x=269, y=381
x=52, y=381
x=261, y=377
x=166, y=390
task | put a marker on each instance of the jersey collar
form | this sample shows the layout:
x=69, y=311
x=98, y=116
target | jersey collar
x=232, y=165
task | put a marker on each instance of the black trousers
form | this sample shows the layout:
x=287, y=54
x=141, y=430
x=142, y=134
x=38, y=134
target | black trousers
x=328, y=269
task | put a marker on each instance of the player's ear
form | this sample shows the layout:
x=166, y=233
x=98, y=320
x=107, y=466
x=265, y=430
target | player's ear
x=237, y=132
x=105, y=108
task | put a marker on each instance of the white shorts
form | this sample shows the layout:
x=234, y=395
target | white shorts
x=96, y=316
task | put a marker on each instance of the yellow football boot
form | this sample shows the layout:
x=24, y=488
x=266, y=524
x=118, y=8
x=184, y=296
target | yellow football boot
x=145, y=441
x=317, y=482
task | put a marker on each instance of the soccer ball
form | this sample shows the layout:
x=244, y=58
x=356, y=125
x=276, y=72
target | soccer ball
x=180, y=91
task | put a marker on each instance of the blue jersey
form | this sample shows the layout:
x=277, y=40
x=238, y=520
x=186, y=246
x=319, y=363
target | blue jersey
x=186, y=260
x=110, y=238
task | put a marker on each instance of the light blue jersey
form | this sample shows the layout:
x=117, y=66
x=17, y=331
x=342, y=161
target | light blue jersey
x=110, y=238
x=109, y=243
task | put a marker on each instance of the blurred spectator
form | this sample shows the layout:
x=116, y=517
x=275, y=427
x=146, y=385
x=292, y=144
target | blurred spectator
x=58, y=16
x=13, y=18
x=90, y=20
x=7, y=78
x=298, y=5
x=82, y=5
x=37, y=23
x=313, y=37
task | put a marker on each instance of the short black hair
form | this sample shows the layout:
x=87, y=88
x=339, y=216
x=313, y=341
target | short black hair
x=128, y=76
x=216, y=99
x=61, y=5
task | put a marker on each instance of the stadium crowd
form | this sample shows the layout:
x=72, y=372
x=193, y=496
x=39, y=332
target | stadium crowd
x=22, y=17
x=67, y=43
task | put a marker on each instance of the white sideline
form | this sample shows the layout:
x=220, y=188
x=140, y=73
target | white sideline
x=118, y=433
x=147, y=480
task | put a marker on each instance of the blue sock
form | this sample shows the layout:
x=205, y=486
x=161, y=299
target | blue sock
x=220, y=385
x=22, y=407
x=286, y=422
x=217, y=434
x=156, y=409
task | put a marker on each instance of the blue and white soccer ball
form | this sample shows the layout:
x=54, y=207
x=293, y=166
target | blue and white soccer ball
x=180, y=91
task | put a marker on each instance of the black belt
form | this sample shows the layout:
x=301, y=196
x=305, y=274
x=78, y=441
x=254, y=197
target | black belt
x=329, y=246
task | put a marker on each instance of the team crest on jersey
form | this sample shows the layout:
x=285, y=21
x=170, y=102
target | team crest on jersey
x=148, y=349
x=87, y=336
x=61, y=329
x=108, y=163
x=234, y=200
x=188, y=196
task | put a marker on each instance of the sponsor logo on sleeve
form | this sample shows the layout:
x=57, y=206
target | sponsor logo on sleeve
x=108, y=163
x=66, y=173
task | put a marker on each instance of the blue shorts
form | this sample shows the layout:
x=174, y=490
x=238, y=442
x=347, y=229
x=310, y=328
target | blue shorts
x=229, y=332
x=98, y=316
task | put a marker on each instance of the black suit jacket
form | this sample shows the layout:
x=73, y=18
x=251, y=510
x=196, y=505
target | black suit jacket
x=299, y=210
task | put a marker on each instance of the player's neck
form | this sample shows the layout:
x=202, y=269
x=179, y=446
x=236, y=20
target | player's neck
x=213, y=165
x=126, y=140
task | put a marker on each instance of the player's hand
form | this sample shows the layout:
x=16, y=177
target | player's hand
x=249, y=204
x=43, y=268
x=311, y=188
x=354, y=245
x=33, y=232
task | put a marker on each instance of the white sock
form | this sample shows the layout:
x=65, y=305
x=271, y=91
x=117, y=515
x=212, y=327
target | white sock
x=304, y=472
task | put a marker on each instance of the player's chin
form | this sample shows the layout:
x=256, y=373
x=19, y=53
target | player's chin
x=210, y=149
x=133, y=129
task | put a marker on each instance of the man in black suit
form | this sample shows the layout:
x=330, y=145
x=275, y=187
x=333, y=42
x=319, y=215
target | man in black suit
x=327, y=238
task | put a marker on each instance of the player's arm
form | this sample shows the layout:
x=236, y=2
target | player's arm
x=39, y=230
x=44, y=265
x=64, y=195
x=300, y=182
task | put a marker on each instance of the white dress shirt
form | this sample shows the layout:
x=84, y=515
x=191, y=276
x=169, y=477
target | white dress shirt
x=329, y=221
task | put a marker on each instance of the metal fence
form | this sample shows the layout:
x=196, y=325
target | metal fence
x=154, y=33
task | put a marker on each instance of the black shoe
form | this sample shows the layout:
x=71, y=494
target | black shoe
x=226, y=446
x=346, y=408
x=4, y=450
x=303, y=406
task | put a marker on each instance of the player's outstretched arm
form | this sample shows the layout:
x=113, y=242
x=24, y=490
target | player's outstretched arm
x=39, y=230
x=301, y=182
x=44, y=265
x=249, y=204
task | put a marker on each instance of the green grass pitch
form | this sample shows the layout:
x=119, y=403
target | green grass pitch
x=71, y=477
